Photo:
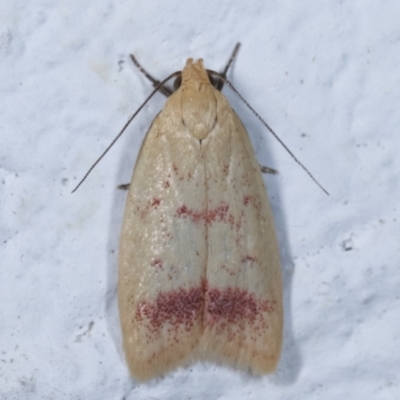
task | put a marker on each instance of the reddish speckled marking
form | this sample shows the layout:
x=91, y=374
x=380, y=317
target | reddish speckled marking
x=249, y=259
x=157, y=263
x=219, y=214
x=154, y=202
x=166, y=184
x=248, y=199
x=175, y=308
x=230, y=271
x=254, y=201
x=235, y=306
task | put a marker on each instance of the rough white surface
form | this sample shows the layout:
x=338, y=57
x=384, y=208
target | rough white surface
x=324, y=74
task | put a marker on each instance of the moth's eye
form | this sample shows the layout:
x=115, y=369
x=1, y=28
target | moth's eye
x=213, y=81
x=177, y=82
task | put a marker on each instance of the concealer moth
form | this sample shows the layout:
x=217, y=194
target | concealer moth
x=199, y=268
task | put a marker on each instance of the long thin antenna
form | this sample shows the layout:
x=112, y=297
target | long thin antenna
x=125, y=126
x=233, y=56
x=220, y=84
x=268, y=127
x=163, y=89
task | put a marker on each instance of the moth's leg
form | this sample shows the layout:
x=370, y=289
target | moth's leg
x=220, y=83
x=124, y=186
x=268, y=170
x=163, y=89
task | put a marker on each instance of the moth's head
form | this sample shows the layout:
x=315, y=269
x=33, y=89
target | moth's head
x=195, y=75
x=194, y=72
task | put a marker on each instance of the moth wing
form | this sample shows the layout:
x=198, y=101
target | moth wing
x=243, y=300
x=161, y=283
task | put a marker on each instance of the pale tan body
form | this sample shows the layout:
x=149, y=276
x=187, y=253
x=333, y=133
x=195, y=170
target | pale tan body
x=199, y=269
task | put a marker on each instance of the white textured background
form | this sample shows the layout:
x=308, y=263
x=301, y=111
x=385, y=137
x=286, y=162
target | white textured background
x=324, y=74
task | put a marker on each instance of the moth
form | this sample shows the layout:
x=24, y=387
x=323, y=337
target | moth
x=199, y=267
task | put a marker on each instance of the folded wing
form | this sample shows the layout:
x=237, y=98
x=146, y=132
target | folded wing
x=243, y=302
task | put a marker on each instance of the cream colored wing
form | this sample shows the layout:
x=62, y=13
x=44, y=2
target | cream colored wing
x=243, y=301
x=163, y=249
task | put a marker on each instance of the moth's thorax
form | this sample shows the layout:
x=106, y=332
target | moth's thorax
x=198, y=102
